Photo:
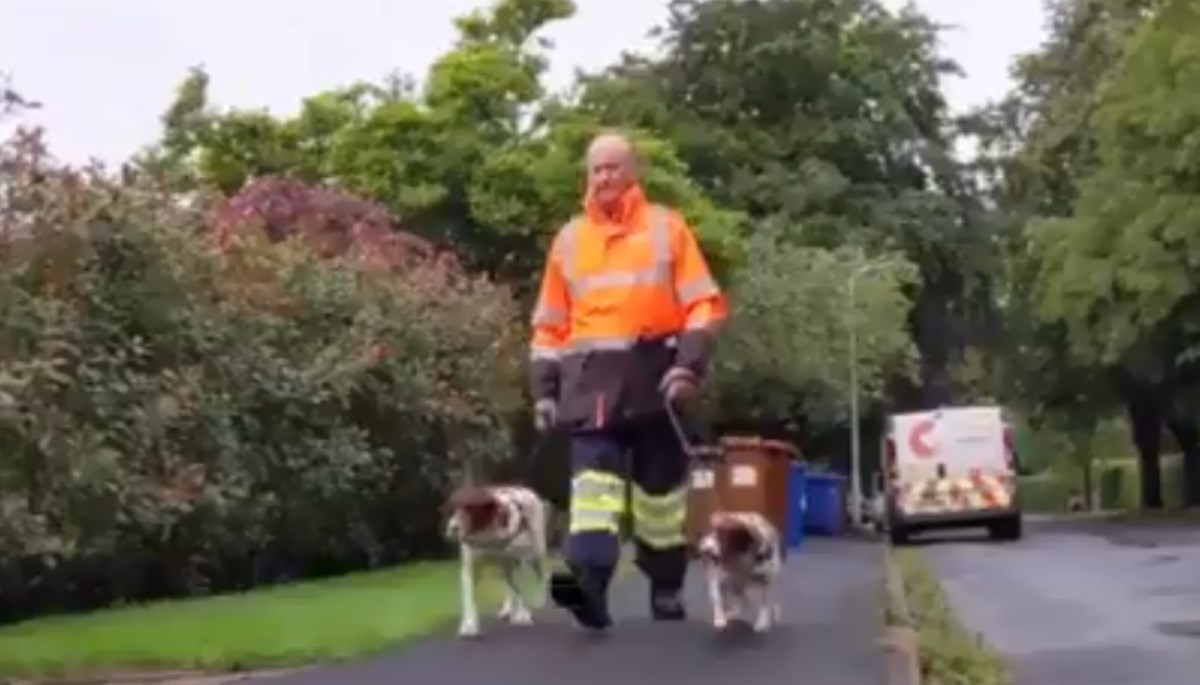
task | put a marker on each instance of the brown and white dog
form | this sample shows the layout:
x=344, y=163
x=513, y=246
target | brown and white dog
x=504, y=525
x=743, y=558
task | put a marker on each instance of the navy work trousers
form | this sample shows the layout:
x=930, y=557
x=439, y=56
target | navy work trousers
x=638, y=469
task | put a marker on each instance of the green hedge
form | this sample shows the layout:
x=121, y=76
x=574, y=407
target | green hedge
x=176, y=420
x=1120, y=484
x=1044, y=494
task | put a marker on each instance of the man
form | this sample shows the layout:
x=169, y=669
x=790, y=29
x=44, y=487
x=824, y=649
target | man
x=624, y=323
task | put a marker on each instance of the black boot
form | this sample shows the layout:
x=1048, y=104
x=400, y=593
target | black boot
x=667, y=605
x=666, y=570
x=583, y=591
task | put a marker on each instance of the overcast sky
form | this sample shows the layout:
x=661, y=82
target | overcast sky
x=105, y=69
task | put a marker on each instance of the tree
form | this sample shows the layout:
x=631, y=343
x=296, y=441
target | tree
x=1117, y=273
x=784, y=360
x=476, y=161
x=827, y=118
x=1045, y=142
x=483, y=161
x=1041, y=134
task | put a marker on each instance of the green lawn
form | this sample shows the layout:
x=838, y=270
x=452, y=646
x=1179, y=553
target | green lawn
x=304, y=622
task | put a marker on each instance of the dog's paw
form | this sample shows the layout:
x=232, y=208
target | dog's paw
x=507, y=609
x=521, y=617
x=732, y=612
x=720, y=622
x=468, y=629
x=763, y=622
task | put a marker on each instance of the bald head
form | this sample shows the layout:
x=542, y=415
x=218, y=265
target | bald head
x=610, y=144
x=611, y=168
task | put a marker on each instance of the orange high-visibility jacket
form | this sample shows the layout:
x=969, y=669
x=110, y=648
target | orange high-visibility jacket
x=622, y=300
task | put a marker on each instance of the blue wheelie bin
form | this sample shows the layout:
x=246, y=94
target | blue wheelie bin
x=797, y=493
x=824, y=514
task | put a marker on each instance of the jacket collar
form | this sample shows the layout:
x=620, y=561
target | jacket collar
x=628, y=208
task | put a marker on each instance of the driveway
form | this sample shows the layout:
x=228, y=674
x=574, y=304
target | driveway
x=832, y=599
x=1086, y=602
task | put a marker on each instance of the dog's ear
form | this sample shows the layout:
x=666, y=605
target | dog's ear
x=735, y=538
x=478, y=504
x=503, y=513
x=724, y=525
x=745, y=538
x=465, y=497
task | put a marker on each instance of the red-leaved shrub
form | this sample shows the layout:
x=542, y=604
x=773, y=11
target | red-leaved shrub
x=334, y=222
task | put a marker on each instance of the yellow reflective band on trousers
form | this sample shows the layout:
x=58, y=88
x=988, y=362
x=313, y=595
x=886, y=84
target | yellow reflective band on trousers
x=658, y=520
x=597, y=501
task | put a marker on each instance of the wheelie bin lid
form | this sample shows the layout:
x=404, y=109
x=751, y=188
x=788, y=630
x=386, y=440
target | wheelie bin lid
x=756, y=442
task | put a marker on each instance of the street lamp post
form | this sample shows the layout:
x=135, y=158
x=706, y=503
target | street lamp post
x=856, y=492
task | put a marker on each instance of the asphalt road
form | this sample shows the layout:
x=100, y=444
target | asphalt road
x=1083, y=602
x=832, y=599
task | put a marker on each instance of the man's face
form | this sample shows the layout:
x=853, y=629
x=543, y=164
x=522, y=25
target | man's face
x=610, y=173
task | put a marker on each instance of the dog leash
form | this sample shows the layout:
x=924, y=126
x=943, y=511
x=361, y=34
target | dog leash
x=697, y=453
x=524, y=465
x=704, y=456
x=535, y=454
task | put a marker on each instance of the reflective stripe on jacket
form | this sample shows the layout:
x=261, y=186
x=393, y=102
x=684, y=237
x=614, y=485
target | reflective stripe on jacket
x=621, y=301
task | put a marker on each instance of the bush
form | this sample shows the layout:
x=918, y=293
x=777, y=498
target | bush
x=1120, y=484
x=1045, y=493
x=176, y=419
x=334, y=223
x=1112, y=487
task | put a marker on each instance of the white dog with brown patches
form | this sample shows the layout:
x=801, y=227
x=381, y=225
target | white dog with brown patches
x=743, y=558
x=505, y=525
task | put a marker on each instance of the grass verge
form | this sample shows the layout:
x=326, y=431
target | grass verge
x=947, y=653
x=1152, y=517
x=286, y=625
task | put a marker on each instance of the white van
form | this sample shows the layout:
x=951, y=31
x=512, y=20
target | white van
x=950, y=468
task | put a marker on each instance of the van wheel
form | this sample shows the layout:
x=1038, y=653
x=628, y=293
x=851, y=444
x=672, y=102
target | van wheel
x=1007, y=529
x=899, y=535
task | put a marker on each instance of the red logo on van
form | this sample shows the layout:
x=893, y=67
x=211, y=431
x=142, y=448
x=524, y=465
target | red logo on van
x=918, y=442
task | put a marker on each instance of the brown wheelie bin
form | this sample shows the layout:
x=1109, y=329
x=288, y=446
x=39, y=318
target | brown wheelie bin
x=750, y=475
